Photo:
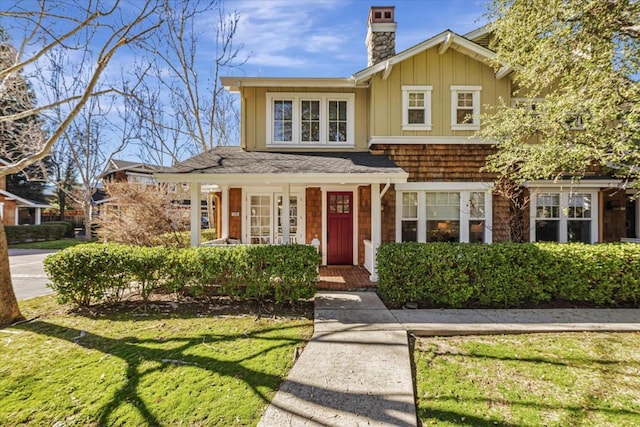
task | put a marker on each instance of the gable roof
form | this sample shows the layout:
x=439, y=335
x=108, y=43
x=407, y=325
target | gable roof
x=233, y=163
x=447, y=39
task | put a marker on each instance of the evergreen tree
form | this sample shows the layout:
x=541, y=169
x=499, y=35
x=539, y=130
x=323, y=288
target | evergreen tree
x=15, y=136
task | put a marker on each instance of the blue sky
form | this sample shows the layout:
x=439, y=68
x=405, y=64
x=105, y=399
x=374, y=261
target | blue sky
x=325, y=38
x=294, y=38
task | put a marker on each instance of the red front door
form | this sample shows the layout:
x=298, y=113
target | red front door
x=340, y=228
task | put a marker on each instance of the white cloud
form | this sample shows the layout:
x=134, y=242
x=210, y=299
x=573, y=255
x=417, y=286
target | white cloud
x=290, y=34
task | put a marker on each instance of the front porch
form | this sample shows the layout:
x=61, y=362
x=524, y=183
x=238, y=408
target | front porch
x=344, y=278
x=331, y=200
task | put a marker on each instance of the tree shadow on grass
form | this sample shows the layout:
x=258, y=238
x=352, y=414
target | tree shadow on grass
x=133, y=352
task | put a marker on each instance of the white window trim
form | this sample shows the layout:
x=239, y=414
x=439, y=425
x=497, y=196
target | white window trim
x=426, y=90
x=437, y=187
x=324, y=99
x=564, y=205
x=272, y=193
x=475, y=90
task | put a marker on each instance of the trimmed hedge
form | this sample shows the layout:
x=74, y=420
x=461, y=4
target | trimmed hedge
x=92, y=273
x=23, y=233
x=182, y=239
x=506, y=275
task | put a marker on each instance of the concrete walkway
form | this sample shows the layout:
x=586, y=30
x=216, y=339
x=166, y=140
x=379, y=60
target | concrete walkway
x=356, y=369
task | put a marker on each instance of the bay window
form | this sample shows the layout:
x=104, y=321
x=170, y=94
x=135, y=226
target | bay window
x=310, y=119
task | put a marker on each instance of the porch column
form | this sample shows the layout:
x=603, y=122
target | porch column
x=376, y=227
x=224, y=209
x=16, y=215
x=194, y=187
x=218, y=223
x=38, y=216
x=285, y=213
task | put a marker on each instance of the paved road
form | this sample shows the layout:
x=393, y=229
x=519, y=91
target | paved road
x=27, y=273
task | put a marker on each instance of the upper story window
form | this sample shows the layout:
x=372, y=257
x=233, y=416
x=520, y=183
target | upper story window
x=530, y=105
x=416, y=107
x=465, y=107
x=310, y=119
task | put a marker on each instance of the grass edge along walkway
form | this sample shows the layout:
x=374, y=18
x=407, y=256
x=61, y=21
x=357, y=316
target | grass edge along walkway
x=140, y=368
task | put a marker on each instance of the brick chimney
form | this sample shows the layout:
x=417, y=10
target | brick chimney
x=381, y=34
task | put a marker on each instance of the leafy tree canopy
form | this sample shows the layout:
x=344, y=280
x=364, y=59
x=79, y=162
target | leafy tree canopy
x=582, y=57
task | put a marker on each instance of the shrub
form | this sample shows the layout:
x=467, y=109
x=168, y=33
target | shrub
x=182, y=239
x=90, y=273
x=508, y=274
x=23, y=233
x=68, y=227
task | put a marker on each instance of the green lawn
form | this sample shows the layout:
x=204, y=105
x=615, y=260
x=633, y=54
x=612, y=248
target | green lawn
x=49, y=244
x=578, y=379
x=192, y=368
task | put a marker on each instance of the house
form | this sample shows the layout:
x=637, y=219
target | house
x=388, y=154
x=141, y=174
x=16, y=210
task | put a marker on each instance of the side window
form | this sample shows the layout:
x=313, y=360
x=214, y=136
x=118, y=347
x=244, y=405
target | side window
x=465, y=107
x=416, y=107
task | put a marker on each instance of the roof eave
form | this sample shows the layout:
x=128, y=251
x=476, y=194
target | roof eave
x=233, y=84
x=286, y=178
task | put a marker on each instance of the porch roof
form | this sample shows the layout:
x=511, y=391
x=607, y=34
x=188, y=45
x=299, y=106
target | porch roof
x=235, y=164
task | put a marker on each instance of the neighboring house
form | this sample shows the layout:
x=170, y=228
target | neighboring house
x=141, y=174
x=133, y=172
x=16, y=210
x=386, y=155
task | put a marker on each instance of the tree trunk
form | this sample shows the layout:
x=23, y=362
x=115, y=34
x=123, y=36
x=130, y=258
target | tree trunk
x=9, y=311
x=87, y=222
x=62, y=201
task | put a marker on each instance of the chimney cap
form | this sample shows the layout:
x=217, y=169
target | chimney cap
x=381, y=14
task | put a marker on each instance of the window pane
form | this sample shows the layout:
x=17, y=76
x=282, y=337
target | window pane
x=410, y=205
x=282, y=120
x=476, y=231
x=416, y=117
x=443, y=231
x=337, y=121
x=260, y=219
x=464, y=116
x=465, y=99
x=310, y=121
x=579, y=206
x=547, y=231
x=443, y=206
x=548, y=205
x=409, y=231
x=343, y=110
x=476, y=204
x=579, y=231
x=416, y=100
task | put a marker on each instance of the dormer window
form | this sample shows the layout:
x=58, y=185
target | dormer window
x=416, y=107
x=310, y=119
x=465, y=107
